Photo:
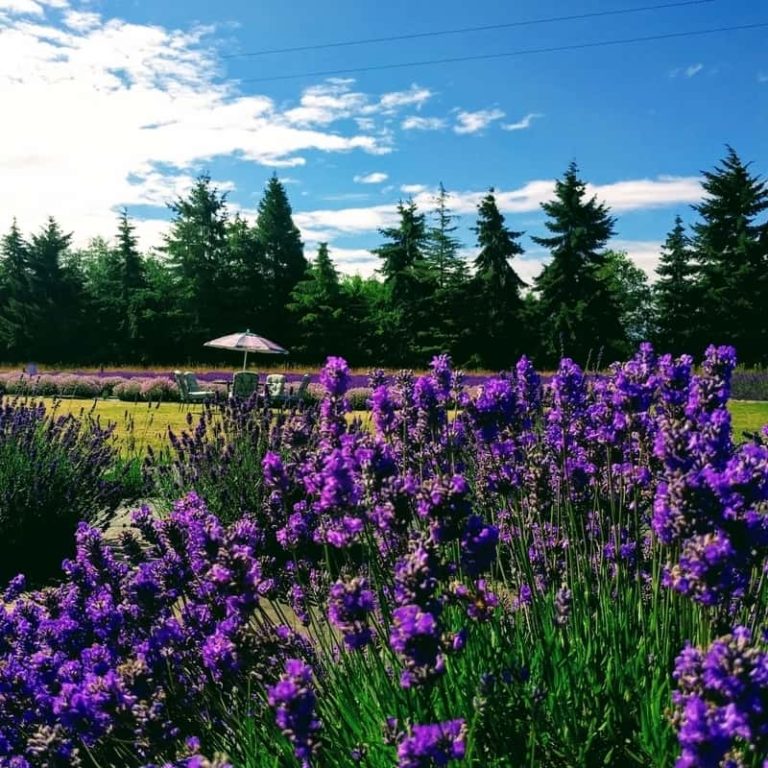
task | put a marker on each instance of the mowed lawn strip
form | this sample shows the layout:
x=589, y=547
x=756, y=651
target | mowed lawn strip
x=143, y=424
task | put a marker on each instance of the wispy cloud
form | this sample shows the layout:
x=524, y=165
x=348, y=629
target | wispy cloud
x=762, y=77
x=377, y=177
x=521, y=125
x=413, y=189
x=690, y=71
x=417, y=123
x=473, y=122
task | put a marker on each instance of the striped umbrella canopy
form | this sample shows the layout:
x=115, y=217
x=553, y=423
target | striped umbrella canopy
x=247, y=342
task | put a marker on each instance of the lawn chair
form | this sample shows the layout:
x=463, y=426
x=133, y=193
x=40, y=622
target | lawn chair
x=244, y=384
x=275, y=388
x=297, y=394
x=190, y=390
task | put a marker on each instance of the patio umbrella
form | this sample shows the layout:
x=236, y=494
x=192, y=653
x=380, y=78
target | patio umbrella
x=247, y=342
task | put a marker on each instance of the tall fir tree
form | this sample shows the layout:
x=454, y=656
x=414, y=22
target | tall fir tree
x=676, y=295
x=53, y=295
x=317, y=305
x=249, y=297
x=18, y=313
x=730, y=243
x=577, y=312
x=497, y=288
x=408, y=282
x=283, y=254
x=197, y=252
x=133, y=285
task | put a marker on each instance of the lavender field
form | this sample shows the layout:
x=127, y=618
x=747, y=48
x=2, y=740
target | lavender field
x=496, y=572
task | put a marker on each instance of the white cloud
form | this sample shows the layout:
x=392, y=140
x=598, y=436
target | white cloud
x=352, y=261
x=762, y=77
x=621, y=196
x=416, y=123
x=521, y=125
x=413, y=189
x=472, y=122
x=690, y=71
x=377, y=177
x=324, y=225
x=693, y=70
x=414, y=96
x=109, y=113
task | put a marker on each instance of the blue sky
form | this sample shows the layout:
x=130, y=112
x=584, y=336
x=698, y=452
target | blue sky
x=111, y=103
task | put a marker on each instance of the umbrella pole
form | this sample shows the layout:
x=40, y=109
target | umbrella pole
x=245, y=359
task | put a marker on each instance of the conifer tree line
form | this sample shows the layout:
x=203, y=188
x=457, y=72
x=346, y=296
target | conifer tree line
x=215, y=273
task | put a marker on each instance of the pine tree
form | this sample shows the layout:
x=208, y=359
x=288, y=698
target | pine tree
x=18, y=314
x=199, y=260
x=731, y=249
x=442, y=247
x=316, y=304
x=497, y=288
x=675, y=294
x=133, y=285
x=408, y=282
x=447, y=328
x=577, y=312
x=249, y=295
x=52, y=296
x=284, y=261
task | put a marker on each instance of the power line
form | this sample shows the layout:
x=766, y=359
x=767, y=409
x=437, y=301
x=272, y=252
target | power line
x=462, y=30
x=508, y=54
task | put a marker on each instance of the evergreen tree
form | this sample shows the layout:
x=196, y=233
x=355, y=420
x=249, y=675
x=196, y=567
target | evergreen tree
x=284, y=262
x=731, y=248
x=676, y=294
x=408, y=282
x=249, y=297
x=578, y=315
x=448, y=328
x=18, y=313
x=442, y=246
x=198, y=257
x=498, y=302
x=52, y=295
x=316, y=303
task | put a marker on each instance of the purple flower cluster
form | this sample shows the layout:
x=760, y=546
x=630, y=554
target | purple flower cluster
x=293, y=700
x=432, y=745
x=721, y=704
x=350, y=606
x=127, y=650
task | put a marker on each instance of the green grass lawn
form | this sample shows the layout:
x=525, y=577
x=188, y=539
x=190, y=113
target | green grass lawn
x=142, y=424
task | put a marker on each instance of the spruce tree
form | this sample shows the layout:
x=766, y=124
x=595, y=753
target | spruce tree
x=316, y=304
x=133, y=285
x=676, y=294
x=408, y=283
x=249, y=295
x=196, y=247
x=578, y=316
x=731, y=249
x=498, y=302
x=52, y=295
x=283, y=253
x=447, y=328
x=18, y=313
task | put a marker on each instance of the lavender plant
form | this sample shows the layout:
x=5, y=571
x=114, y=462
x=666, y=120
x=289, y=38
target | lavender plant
x=55, y=471
x=565, y=575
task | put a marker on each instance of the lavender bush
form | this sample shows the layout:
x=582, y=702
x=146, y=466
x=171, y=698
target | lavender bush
x=560, y=575
x=55, y=471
